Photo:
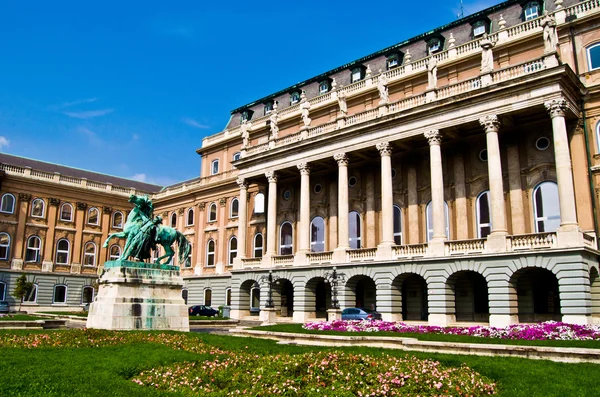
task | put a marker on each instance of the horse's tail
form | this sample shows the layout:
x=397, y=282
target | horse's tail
x=184, y=249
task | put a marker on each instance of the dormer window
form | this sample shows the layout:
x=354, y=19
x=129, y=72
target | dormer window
x=268, y=107
x=434, y=45
x=294, y=97
x=531, y=10
x=358, y=73
x=479, y=28
x=392, y=61
x=247, y=115
x=324, y=87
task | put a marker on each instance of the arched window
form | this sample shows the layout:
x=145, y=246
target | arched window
x=66, y=212
x=237, y=156
x=214, y=167
x=4, y=246
x=208, y=297
x=117, y=220
x=34, y=246
x=63, y=251
x=87, y=294
x=317, y=234
x=254, y=298
x=38, y=207
x=233, y=248
x=93, y=216
x=484, y=220
x=212, y=212
x=89, y=254
x=173, y=220
x=546, y=207
x=228, y=297
x=210, y=253
x=429, y=216
x=354, y=238
x=7, y=204
x=190, y=217
x=259, y=203
x=258, y=245
x=397, y=225
x=593, y=55
x=286, y=245
x=234, y=208
x=60, y=294
x=2, y=291
x=114, y=253
x=31, y=295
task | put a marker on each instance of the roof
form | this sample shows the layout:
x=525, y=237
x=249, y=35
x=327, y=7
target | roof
x=77, y=173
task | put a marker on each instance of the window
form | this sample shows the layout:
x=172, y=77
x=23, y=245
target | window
x=352, y=181
x=31, y=295
x=93, y=216
x=228, y=297
x=87, y=294
x=212, y=212
x=117, y=220
x=37, y=208
x=484, y=222
x=479, y=28
x=190, y=217
x=531, y=11
x=247, y=115
x=32, y=253
x=207, y=297
x=542, y=143
x=63, y=252
x=258, y=245
x=174, y=220
x=317, y=235
x=434, y=45
x=397, y=225
x=66, y=212
x=89, y=254
x=8, y=203
x=114, y=253
x=255, y=298
x=593, y=55
x=294, y=97
x=237, y=156
x=4, y=246
x=2, y=291
x=356, y=74
x=392, y=61
x=214, y=167
x=287, y=194
x=286, y=245
x=324, y=87
x=210, y=253
x=268, y=107
x=546, y=208
x=429, y=216
x=233, y=243
x=354, y=238
x=234, y=208
x=259, y=203
x=60, y=294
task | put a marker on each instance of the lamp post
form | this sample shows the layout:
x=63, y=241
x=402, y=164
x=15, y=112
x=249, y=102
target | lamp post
x=334, y=278
x=271, y=280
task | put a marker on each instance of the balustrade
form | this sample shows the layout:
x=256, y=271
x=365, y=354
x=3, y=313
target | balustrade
x=465, y=246
x=283, y=260
x=362, y=254
x=532, y=241
x=409, y=251
x=320, y=257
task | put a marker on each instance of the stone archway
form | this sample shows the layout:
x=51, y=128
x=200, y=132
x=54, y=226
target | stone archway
x=595, y=292
x=537, y=295
x=360, y=291
x=283, y=297
x=471, y=298
x=249, y=298
x=411, y=288
x=318, y=296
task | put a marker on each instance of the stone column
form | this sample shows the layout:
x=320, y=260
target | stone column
x=80, y=219
x=242, y=223
x=436, y=244
x=47, y=263
x=569, y=233
x=271, y=218
x=413, y=205
x=20, y=238
x=460, y=194
x=515, y=190
x=497, y=238
x=370, y=235
x=304, y=224
x=106, y=227
x=384, y=250
x=200, y=243
x=343, y=235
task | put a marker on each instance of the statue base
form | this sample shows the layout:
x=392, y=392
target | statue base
x=139, y=296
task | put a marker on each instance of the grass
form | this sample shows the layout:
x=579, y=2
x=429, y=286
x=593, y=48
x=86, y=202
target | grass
x=78, y=314
x=21, y=317
x=297, y=328
x=107, y=371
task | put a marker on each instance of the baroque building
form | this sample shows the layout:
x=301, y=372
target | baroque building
x=452, y=177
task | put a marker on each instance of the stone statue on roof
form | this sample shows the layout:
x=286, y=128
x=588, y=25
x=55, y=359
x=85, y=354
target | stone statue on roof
x=304, y=109
x=382, y=82
x=273, y=118
x=548, y=22
x=245, y=128
x=487, y=56
x=341, y=97
x=432, y=72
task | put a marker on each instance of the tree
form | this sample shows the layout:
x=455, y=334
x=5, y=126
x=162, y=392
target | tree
x=22, y=289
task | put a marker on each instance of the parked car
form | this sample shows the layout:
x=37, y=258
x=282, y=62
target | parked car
x=356, y=313
x=201, y=310
x=4, y=307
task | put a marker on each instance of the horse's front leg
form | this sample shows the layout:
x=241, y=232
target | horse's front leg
x=111, y=236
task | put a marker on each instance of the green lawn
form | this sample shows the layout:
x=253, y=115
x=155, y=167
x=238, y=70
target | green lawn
x=78, y=314
x=297, y=328
x=21, y=317
x=106, y=371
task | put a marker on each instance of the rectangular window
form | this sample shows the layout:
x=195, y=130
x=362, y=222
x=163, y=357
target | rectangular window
x=478, y=30
x=214, y=169
x=356, y=75
x=532, y=11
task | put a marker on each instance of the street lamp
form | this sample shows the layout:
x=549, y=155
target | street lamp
x=271, y=280
x=334, y=278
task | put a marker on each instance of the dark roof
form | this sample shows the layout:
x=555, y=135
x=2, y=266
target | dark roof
x=77, y=173
x=186, y=182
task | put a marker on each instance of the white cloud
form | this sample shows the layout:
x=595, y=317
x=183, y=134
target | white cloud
x=4, y=142
x=193, y=123
x=88, y=114
x=72, y=103
x=139, y=177
x=91, y=135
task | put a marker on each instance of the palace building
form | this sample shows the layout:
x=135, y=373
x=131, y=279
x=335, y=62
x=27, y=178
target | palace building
x=452, y=177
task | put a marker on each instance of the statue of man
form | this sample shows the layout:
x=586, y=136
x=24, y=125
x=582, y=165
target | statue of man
x=342, y=102
x=487, y=57
x=304, y=109
x=432, y=72
x=382, y=87
x=245, y=127
x=550, y=36
x=273, y=121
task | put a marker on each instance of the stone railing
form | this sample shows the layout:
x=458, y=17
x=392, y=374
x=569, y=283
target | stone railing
x=589, y=241
x=282, y=260
x=200, y=182
x=465, y=246
x=582, y=8
x=363, y=254
x=320, y=257
x=409, y=251
x=532, y=241
x=251, y=262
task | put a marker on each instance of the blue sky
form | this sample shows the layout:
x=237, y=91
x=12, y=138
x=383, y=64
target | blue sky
x=130, y=88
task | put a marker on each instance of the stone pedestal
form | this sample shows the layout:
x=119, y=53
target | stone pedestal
x=137, y=295
x=334, y=314
x=503, y=320
x=580, y=319
x=268, y=315
x=17, y=264
x=441, y=320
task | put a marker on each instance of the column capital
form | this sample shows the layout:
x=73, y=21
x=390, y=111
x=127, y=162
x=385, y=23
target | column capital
x=24, y=196
x=81, y=206
x=242, y=183
x=556, y=107
x=107, y=210
x=271, y=176
x=341, y=158
x=433, y=136
x=304, y=168
x=490, y=123
x=385, y=149
x=53, y=201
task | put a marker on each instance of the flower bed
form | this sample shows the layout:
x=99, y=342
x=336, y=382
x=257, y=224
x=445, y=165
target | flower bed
x=549, y=330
